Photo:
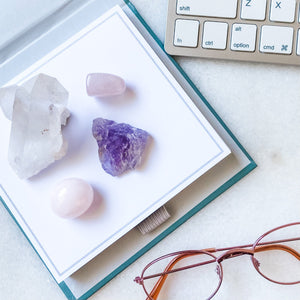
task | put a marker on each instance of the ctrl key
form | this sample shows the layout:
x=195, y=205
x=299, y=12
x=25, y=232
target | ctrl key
x=186, y=33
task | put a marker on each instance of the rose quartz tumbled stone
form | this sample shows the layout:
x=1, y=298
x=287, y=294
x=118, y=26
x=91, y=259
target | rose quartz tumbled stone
x=71, y=198
x=104, y=85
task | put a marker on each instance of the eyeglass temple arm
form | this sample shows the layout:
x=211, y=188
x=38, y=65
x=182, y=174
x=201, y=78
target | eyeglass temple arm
x=212, y=250
x=278, y=247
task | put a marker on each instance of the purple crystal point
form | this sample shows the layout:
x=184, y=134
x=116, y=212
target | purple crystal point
x=121, y=146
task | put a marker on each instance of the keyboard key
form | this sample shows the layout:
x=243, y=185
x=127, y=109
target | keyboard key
x=283, y=11
x=186, y=33
x=253, y=9
x=215, y=35
x=243, y=37
x=261, y=31
x=276, y=39
x=298, y=46
x=208, y=8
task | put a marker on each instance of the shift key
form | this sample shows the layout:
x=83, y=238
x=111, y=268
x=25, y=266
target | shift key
x=208, y=8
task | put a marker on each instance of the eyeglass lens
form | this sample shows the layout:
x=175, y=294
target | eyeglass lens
x=280, y=262
x=204, y=279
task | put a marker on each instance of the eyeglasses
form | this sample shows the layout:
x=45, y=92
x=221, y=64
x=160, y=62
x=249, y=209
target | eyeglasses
x=198, y=274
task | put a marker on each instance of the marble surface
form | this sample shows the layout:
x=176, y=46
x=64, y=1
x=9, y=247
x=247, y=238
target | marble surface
x=261, y=105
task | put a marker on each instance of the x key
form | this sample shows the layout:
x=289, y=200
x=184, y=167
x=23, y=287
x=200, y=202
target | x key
x=283, y=11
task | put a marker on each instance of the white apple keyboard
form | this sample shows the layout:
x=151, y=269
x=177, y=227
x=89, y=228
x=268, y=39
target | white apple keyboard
x=250, y=30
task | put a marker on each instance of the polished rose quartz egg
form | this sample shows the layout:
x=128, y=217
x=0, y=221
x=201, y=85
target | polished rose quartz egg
x=71, y=198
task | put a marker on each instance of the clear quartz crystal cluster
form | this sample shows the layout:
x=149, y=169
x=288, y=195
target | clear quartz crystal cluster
x=121, y=146
x=37, y=110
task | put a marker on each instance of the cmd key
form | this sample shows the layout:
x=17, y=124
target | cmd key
x=208, y=8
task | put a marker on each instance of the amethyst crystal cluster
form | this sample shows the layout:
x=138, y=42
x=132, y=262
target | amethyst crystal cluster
x=121, y=146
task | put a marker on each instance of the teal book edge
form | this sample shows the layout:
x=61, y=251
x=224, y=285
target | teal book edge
x=252, y=165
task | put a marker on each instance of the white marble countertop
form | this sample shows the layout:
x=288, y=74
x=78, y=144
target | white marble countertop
x=261, y=105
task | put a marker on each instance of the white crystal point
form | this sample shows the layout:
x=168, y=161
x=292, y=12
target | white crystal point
x=39, y=112
x=43, y=87
x=7, y=99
